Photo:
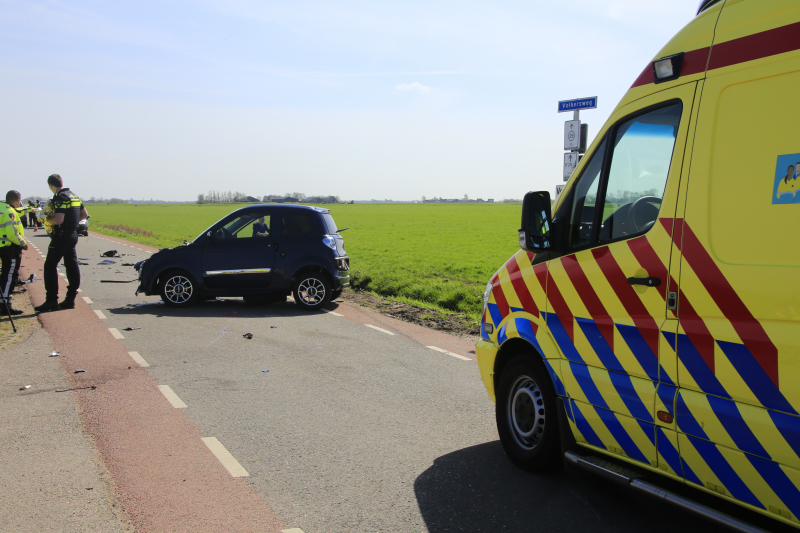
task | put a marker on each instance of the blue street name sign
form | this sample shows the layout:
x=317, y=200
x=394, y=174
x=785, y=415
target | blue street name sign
x=580, y=103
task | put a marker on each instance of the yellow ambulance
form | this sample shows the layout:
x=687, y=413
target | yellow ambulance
x=653, y=312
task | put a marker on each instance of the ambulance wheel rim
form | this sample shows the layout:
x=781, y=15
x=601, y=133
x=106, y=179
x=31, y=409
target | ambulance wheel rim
x=178, y=289
x=526, y=412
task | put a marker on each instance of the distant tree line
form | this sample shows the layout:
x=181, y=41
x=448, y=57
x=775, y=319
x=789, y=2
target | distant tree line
x=220, y=197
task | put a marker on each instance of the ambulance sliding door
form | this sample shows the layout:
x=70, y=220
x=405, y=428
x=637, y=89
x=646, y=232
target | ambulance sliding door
x=739, y=339
x=609, y=291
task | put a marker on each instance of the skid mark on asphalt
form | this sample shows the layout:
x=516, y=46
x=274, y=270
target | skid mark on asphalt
x=139, y=359
x=99, y=314
x=170, y=395
x=115, y=332
x=227, y=460
x=449, y=353
x=379, y=329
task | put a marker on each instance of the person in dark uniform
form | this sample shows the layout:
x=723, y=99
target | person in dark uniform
x=12, y=242
x=69, y=210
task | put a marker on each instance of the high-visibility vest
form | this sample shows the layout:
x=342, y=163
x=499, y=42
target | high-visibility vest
x=11, y=231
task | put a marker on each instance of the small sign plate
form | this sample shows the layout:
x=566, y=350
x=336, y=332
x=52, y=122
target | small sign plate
x=559, y=188
x=570, y=162
x=572, y=134
x=579, y=103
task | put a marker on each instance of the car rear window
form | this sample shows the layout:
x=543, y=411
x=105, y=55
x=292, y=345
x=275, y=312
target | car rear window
x=297, y=224
x=329, y=223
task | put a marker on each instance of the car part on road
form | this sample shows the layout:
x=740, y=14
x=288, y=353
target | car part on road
x=110, y=253
x=107, y=262
x=629, y=478
x=129, y=328
x=312, y=291
x=25, y=387
x=54, y=354
x=178, y=289
x=80, y=371
x=248, y=335
x=526, y=414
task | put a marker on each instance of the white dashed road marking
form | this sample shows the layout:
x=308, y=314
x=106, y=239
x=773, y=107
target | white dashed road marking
x=449, y=353
x=139, y=359
x=227, y=460
x=293, y=530
x=86, y=299
x=99, y=314
x=116, y=333
x=379, y=329
x=332, y=313
x=170, y=395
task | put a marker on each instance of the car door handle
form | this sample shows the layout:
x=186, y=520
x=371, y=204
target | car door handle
x=649, y=282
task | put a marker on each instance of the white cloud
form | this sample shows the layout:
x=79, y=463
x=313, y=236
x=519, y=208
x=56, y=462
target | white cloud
x=416, y=86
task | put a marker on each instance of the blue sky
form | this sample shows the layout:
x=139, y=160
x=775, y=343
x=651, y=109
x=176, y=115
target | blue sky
x=356, y=99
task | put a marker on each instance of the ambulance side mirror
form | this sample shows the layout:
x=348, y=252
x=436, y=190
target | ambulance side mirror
x=536, y=233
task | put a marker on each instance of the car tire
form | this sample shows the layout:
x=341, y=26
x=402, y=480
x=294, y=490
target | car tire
x=335, y=294
x=178, y=289
x=527, y=420
x=312, y=291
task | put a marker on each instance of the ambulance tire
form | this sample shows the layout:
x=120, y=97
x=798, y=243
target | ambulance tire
x=527, y=420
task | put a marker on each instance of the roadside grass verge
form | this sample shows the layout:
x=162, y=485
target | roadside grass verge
x=431, y=255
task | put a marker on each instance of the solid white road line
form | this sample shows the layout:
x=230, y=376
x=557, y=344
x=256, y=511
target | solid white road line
x=379, y=329
x=87, y=299
x=170, y=395
x=332, y=313
x=449, y=353
x=227, y=460
x=116, y=333
x=100, y=314
x=139, y=359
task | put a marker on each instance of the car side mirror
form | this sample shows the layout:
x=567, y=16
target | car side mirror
x=537, y=231
x=210, y=236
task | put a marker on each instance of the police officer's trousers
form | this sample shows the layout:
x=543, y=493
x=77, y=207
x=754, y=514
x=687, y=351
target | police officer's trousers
x=62, y=247
x=10, y=256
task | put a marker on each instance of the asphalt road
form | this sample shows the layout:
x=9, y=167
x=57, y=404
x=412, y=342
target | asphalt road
x=345, y=428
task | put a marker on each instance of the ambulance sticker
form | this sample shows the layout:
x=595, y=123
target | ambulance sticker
x=787, y=180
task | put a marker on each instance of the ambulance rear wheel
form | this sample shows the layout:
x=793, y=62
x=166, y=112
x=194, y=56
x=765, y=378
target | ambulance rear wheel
x=526, y=415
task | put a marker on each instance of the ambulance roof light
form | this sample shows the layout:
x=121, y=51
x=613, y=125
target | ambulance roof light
x=668, y=68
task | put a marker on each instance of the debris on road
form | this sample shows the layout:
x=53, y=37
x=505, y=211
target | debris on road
x=25, y=387
x=83, y=258
x=54, y=354
x=82, y=263
x=30, y=279
x=248, y=335
x=273, y=327
x=117, y=280
x=128, y=264
x=265, y=370
x=129, y=328
x=78, y=388
x=79, y=371
x=110, y=253
x=107, y=262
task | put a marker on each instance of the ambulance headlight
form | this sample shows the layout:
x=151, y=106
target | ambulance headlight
x=668, y=68
x=486, y=293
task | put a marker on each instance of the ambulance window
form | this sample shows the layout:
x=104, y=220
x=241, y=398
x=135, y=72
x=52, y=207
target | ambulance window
x=583, y=200
x=638, y=175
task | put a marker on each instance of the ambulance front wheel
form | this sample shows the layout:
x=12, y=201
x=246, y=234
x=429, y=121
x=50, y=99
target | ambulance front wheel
x=527, y=420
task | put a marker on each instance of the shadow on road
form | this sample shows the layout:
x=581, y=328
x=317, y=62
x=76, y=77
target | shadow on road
x=227, y=307
x=477, y=489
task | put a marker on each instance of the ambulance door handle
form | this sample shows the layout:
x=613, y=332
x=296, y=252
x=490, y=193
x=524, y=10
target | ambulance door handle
x=649, y=282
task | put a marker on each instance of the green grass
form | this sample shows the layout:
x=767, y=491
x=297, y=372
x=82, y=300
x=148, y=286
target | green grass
x=438, y=255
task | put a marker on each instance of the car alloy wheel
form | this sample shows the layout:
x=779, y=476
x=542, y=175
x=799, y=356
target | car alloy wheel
x=178, y=289
x=311, y=291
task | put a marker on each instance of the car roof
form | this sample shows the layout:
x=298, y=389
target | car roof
x=254, y=207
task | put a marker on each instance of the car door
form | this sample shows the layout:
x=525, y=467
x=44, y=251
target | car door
x=607, y=295
x=238, y=255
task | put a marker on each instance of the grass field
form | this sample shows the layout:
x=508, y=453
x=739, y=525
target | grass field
x=437, y=255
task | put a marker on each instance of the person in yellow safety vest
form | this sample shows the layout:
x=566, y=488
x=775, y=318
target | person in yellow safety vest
x=12, y=242
x=69, y=211
x=22, y=214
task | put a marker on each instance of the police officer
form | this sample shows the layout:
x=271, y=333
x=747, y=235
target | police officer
x=69, y=210
x=22, y=216
x=12, y=242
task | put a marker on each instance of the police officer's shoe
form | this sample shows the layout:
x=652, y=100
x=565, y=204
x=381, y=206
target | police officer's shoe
x=68, y=303
x=47, y=306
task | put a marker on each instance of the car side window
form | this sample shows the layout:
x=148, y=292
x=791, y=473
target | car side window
x=296, y=223
x=637, y=176
x=247, y=226
x=584, y=199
